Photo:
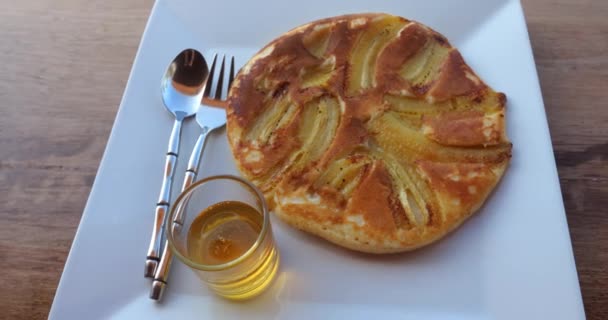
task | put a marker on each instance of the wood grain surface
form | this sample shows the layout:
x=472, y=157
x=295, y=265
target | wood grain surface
x=64, y=67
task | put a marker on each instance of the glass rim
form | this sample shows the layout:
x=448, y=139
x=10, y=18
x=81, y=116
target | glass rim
x=231, y=263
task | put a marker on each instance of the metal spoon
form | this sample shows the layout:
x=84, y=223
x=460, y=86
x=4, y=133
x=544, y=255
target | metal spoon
x=182, y=88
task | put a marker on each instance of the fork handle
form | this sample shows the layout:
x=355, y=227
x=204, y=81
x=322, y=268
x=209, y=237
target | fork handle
x=164, y=200
x=162, y=272
x=191, y=173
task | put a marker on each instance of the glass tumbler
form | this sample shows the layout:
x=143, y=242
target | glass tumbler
x=243, y=276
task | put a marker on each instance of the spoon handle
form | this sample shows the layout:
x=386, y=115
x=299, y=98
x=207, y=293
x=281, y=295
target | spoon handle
x=164, y=200
x=162, y=272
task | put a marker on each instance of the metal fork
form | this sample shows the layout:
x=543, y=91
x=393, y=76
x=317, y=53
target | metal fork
x=209, y=119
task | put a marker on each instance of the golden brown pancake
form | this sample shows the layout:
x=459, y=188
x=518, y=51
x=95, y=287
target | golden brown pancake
x=368, y=130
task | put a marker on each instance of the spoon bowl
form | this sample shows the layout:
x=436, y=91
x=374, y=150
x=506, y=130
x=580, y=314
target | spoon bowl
x=184, y=82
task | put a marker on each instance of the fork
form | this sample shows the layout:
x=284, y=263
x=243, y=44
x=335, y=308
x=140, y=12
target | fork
x=209, y=119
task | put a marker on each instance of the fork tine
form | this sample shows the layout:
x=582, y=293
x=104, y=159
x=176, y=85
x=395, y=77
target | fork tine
x=231, y=76
x=210, y=78
x=220, y=80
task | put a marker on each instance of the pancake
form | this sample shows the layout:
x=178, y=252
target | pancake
x=368, y=130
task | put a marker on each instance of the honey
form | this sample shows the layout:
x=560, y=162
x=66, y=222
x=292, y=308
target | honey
x=225, y=232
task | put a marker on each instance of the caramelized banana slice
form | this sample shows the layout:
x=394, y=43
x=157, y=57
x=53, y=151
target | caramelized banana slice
x=371, y=41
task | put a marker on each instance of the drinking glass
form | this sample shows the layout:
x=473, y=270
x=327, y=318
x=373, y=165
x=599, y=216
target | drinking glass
x=244, y=276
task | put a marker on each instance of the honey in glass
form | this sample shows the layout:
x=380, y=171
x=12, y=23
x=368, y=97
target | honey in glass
x=221, y=230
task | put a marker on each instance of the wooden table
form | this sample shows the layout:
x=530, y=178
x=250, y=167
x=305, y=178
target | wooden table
x=64, y=67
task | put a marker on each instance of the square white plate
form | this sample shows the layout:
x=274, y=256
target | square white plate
x=513, y=260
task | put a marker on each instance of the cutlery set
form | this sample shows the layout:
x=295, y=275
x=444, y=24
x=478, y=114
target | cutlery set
x=186, y=92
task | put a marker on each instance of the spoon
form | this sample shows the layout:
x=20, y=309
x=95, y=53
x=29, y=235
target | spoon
x=182, y=89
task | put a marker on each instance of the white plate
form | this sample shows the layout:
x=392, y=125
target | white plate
x=513, y=260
